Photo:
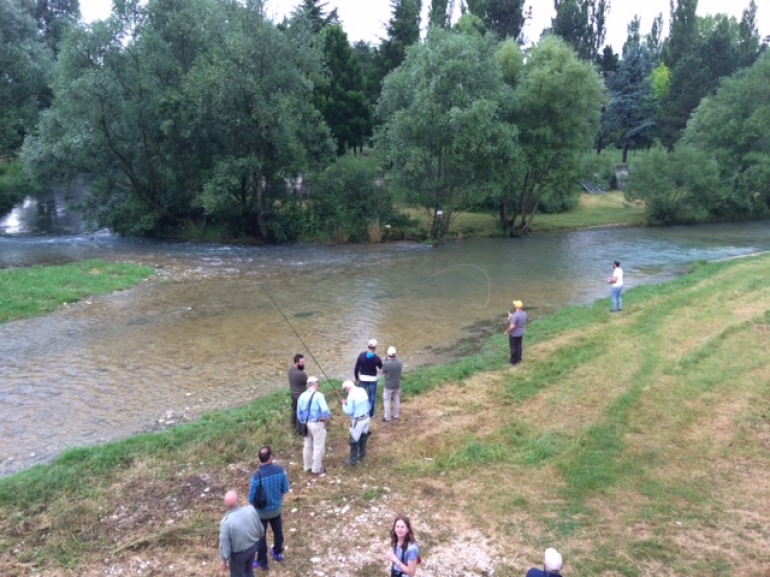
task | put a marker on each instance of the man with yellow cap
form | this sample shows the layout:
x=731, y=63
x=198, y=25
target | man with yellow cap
x=515, y=331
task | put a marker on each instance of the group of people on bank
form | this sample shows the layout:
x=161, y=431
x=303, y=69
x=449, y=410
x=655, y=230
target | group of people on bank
x=311, y=412
x=243, y=530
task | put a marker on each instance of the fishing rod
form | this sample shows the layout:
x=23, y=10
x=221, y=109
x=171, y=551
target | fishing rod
x=307, y=348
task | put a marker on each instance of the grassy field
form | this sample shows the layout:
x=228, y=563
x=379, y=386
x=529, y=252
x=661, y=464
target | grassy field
x=31, y=291
x=593, y=210
x=635, y=443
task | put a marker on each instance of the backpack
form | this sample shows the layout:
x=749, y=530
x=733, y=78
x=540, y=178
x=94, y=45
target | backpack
x=260, y=499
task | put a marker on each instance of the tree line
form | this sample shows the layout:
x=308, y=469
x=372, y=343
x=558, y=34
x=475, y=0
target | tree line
x=204, y=114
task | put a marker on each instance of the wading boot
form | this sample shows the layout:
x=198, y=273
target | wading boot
x=362, y=446
x=353, y=460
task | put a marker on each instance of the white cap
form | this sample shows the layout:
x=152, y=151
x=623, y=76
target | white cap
x=312, y=380
x=347, y=384
x=391, y=351
x=552, y=560
x=372, y=343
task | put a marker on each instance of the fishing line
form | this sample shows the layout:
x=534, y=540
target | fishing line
x=307, y=348
x=486, y=275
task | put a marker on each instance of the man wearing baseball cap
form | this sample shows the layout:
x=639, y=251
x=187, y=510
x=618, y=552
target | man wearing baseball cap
x=391, y=394
x=515, y=331
x=366, y=371
x=313, y=410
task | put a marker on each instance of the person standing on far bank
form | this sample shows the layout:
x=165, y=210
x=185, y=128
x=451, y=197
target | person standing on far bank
x=366, y=371
x=515, y=331
x=391, y=394
x=297, y=386
x=616, y=293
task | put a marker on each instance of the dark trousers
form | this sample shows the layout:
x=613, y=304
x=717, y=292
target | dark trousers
x=276, y=524
x=294, y=423
x=241, y=562
x=515, y=345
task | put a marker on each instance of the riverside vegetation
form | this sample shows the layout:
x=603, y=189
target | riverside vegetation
x=635, y=443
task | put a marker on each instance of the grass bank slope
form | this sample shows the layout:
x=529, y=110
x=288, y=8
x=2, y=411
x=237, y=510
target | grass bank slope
x=635, y=443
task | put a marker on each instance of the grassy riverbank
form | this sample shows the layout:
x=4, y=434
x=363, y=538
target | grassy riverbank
x=635, y=443
x=30, y=291
x=593, y=210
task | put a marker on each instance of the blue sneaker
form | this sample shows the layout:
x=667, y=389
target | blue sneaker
x=257, y=565
x=277, y=556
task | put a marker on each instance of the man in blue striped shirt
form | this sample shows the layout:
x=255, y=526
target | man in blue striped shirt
x=313, y=410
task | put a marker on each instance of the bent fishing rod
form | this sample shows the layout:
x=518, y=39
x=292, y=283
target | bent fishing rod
x=307, y=348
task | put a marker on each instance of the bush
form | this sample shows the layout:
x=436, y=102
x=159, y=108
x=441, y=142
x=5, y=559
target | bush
x=678, y=187
x=348, y=197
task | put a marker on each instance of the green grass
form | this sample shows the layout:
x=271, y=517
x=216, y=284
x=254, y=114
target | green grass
x=621, y=437
x=610, y=209
x=36, y=290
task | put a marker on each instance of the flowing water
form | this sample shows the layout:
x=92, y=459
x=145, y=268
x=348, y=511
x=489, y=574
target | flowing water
x=209, y=331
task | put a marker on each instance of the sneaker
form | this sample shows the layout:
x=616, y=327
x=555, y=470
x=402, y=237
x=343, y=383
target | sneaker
x=395, y=418
x=258, y=566
x=384, y=420
x=321, y=473
x=276, y=556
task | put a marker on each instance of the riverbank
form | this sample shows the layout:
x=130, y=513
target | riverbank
x=630, y=442
x=35, y=290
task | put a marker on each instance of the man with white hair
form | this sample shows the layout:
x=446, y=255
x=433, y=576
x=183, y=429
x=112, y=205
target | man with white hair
x=366, y=371
x=552, y=565
x=313, y=410
x=239, y=534
x=356, y=406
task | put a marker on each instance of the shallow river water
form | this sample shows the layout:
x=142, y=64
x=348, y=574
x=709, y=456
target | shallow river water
x=209, y=330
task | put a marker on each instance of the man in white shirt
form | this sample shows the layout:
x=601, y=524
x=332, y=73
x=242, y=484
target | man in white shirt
x=616, y=280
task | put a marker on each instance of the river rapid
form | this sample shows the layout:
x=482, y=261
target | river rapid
x=218, y=325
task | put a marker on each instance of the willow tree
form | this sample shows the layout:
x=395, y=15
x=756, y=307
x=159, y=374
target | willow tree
x=443, y=128
x=557, y=104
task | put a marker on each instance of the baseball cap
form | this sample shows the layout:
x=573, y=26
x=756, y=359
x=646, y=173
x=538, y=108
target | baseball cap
x=391, y=351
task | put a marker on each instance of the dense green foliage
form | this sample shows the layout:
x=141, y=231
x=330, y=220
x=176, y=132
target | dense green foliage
x=14, y=185
x=443, y=129
x=25, y=69
x=733, y=127
x=203, y=114
x=341, y=97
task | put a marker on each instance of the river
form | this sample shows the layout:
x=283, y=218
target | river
x=208, y=331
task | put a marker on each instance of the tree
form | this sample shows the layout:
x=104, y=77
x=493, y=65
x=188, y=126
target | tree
x=341, y=98
x=54, y=17
x=682, y=31
x=314, y=12
x=25, y=70
x=403, y=31
x=557, y=100
x=442, y=124
x=715, y=52
x=505, y=18
x=582, y=24
x=438, y=14
x=733, y=127
x=630, y=117
x=184, y=111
